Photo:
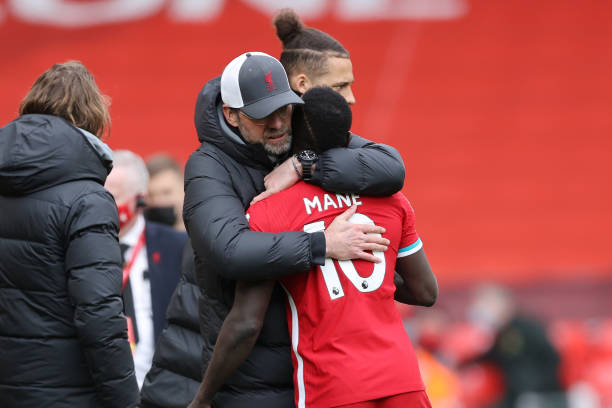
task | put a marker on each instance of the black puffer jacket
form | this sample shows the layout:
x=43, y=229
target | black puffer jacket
x=176, y=372
x=62, y=332
x=221, y=178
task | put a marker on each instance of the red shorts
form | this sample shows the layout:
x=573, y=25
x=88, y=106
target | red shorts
x=416, y=399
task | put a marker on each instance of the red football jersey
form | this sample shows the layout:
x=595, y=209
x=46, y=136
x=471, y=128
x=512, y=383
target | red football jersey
x=348, y=340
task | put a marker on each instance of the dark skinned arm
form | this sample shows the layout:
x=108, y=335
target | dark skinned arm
x=236, y=338
x=414, y=280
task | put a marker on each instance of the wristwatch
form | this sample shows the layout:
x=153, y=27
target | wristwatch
x=307, y=158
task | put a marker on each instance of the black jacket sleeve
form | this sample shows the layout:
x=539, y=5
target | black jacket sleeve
x=93, y=263
x=215, y=218
x=366, y=168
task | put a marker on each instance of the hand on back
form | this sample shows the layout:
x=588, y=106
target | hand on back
x=345, y=240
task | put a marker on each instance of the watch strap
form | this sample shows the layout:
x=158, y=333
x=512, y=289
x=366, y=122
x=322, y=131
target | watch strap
x=293, y=161
x=307, y=170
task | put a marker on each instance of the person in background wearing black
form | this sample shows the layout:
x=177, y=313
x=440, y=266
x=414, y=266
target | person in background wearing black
x=152, y=258
x=166, y=195
x=62, y=332
x=521, y=349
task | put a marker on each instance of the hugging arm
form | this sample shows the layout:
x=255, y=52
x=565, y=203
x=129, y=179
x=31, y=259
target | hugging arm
x=214, y=217
x=236, y=338
x=364, y=167
x=417, y=284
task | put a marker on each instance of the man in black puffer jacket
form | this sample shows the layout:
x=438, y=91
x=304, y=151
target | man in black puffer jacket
x=222, y=178
x=62, y=332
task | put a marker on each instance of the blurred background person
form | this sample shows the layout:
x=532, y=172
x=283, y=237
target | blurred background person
x=63, y=335
x=166, y=191
x=521, y=349
x=427, y=328
x=152, y=255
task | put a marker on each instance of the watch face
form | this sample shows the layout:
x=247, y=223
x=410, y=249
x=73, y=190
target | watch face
x=307, y=155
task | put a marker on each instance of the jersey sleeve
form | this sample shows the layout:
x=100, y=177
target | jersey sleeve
x=410, y=241
x=256, y=216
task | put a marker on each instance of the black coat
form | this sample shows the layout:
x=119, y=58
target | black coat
x=62, y=332
x=221, y=178
x=528, y=361
x=164, y=254
x=176, y=372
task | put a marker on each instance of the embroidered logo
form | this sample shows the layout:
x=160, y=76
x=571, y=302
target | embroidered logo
x=269, y=82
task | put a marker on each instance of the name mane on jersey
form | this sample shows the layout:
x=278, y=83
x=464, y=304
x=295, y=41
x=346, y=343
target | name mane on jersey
x=323, y=203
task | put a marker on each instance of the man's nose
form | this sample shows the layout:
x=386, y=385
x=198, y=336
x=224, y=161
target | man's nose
x=274, y=121
x=350, y=98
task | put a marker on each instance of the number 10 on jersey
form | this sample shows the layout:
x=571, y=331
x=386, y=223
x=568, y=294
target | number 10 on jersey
x=330, y=274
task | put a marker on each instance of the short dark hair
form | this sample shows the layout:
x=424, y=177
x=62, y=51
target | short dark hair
x=161, y=162
x=305, y=48
x=323, y=122
x=69, y=91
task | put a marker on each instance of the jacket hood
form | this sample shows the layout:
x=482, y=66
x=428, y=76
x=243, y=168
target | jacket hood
x=212, y=128
x=42, y=151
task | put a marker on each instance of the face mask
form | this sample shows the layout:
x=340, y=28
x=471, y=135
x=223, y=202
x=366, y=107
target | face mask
x=125, y=214
x=163, y=215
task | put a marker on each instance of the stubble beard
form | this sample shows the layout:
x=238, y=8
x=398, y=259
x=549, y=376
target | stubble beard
x=271, y=148
x=280, y=148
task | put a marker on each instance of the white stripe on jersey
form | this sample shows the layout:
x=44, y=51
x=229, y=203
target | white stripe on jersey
x=295, y=338
x=410, y=249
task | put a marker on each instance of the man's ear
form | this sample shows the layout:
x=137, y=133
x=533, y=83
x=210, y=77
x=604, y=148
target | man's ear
x=230, y=115
x=300, y=83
